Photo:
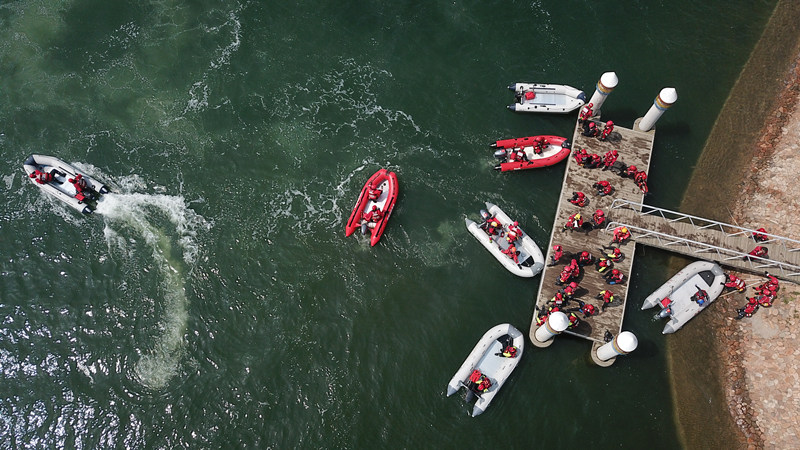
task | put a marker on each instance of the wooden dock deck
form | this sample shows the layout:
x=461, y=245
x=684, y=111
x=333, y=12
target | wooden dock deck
x=634, y=148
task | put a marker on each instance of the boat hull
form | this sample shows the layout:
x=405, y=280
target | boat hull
x=484, y=357
x=531, y=259
x=387, y=182
x=549, y=98
x=680, y=288
x=60, y=187
x=557, y=151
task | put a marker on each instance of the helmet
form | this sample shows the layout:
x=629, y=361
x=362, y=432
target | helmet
x=494, y=223
x=559, y=295
x=599, y=212
x=609, y=123
x=591, y=104
x=573, y=263
x=632, y=168
x=592, y=125
x=577, y=216
x=615, y=271
x=374, y=207
x=614, y=152
x=573, y=285
x=585, y=254
x=516, y=223
x=617, y=251
x=556, y=247
x=624, y=230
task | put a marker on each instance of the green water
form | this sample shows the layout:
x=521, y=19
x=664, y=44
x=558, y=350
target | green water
x=215, y=301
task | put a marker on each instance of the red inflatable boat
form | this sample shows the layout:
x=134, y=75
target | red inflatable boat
x=379, y=191
x=554, y=149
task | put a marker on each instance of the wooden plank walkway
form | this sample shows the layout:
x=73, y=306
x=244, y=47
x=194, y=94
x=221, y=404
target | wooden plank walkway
x=634, y=148
x=725, y=244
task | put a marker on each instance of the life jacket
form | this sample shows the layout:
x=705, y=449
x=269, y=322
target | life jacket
x=588, y=309
x=530, y=95
x=608, y=296
x=510, y=352
x=573, y=320
x=476, y=376
x=375, y=215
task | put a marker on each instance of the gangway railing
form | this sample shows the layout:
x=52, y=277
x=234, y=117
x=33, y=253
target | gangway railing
x=736, y=257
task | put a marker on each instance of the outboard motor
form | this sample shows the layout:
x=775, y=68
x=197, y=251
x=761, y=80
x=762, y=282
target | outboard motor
x=666, y=312
x=500, y=154
x=485, y=215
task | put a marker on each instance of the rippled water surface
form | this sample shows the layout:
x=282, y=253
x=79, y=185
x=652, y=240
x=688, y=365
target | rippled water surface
x=214, y=301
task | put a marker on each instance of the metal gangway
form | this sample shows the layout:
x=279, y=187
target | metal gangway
x=726, y=244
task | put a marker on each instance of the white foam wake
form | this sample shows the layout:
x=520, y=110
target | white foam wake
x=141, y=213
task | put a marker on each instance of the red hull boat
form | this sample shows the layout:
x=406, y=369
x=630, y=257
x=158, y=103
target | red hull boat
x=556, y=150
x=387, y=183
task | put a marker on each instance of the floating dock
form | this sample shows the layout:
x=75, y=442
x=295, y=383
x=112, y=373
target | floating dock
x=635, y=148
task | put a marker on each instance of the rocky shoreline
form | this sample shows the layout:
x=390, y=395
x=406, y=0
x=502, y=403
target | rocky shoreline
x=759, y=357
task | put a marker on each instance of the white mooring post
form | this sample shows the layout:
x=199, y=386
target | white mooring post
x=666, y=98
x=608, y=81
x=622, y=344
x=556, y=323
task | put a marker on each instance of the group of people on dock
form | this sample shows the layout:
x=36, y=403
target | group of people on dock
x=763, y=294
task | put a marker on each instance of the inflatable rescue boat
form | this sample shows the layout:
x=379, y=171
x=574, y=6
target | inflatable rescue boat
x=687, y=293
x=64, y=182
x=386, y=183
x=554, y=150
x=529, y=259
x=550, y=98
x=488, y=366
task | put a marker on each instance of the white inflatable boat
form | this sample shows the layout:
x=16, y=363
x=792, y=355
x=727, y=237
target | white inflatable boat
x=492, y=360
x=531, y=260
x=681, y=299
x=550, y=98
x=53, y=176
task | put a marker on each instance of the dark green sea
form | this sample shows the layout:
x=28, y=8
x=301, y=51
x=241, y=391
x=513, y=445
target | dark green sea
x=215, y=303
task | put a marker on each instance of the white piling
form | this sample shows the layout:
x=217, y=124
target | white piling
x=622, y=344
x=556, y=323
x=608, y=81
x=666, y=98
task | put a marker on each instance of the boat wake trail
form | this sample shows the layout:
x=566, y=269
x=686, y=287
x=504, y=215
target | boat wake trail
x=168, y=227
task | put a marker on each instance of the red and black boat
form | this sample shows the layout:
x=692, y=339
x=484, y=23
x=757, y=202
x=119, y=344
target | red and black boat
x=530, y=152
x=385, y=182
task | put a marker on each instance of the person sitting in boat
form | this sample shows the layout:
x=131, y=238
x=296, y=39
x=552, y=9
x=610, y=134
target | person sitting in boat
x=607, y=296
x=512, y=252
x=558, y=252
x=372, y=192
x=585, y=258
x=42, y=177
x=760, y=235
x=517, y=154
x=586, y=113
x=587, y=309
x=603, y=188
x=606, y=131
x=574, y=222
x=539, y=144
x=372, y=217
x=569, y=291
x=614, y=277
x=609, y=159
x=579, y=199
x=749, y=309
x=630, y=172
x=485, y=384
x=475, y=378
x=491, y=226
x=513, y=233
x=701, y=296
x=598, y=218
x=604, y=265
x=581, y=156
x=79, y=182
x=621, y=234
x=590, y=129
x=574, y=321
x=641, y=180
x=510, y=351
x=594, y=162
x=759, y=251
x=734, y=282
